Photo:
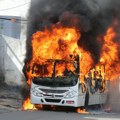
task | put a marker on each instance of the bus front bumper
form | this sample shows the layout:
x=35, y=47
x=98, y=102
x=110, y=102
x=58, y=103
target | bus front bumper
x=54, y=101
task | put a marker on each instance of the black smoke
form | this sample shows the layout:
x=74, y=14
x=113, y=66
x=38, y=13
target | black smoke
x=91, y=17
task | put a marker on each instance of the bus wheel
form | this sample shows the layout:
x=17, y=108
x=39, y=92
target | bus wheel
x=46, y=107
x=38, y=106
x=86, y=99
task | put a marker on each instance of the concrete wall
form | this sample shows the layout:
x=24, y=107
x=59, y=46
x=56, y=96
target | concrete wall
x=13, y=40
x=114, y=95
x=12, y=53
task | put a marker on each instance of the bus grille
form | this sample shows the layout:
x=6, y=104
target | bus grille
x=53, y=100
x=53, y=91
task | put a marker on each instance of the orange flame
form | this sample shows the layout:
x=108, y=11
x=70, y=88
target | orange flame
x=27, y=105
x=57, y=43
x=109, y=55
x=61, y=42
x=82, y=111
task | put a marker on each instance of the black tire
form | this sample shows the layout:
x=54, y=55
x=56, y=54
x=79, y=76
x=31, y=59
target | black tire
x=46, y=107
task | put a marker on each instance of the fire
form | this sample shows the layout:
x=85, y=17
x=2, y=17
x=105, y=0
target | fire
x=82, y=111
x=27, y=105
x=57, y=43
x=110, y=55
x=52, y=44
x=61, y=42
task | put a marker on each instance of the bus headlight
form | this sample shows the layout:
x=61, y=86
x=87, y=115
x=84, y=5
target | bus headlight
x=70, y=94
x=36, y=93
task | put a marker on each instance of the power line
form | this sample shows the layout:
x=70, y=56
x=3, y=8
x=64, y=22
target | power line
x=15, y=20
x=14, y=7
x=11, y=19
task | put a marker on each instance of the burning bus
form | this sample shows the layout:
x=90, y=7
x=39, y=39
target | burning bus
x=71, y=53
x=67, y=86
x=61, y=73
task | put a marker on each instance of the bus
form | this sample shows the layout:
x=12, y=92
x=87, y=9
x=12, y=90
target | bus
x=65, y=85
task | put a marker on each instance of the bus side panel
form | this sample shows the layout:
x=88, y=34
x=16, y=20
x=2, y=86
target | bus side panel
x=81, y=97
x=97, y=98
x=81, y=100
x=94, y=99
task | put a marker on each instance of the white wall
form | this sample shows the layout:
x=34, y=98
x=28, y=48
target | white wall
x=13, y=40
x=114, y=95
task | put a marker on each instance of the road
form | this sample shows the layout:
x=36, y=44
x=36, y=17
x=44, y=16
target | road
x=55, y=115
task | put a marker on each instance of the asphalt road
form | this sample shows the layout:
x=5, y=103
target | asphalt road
x=55, y=115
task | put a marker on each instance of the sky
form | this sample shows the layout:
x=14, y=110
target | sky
x=14, y=7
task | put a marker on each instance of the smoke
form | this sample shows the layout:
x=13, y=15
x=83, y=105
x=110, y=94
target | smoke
x=91, y=17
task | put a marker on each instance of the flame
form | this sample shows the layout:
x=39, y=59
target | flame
x=27, y=105
x=61, y=42
x=109, y=55
x=82, y=111
x=52, y=44
x=57, y=43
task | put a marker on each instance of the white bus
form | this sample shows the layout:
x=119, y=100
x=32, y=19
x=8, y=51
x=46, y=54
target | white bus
x=72, y=88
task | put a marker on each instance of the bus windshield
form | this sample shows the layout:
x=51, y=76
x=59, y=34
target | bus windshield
x=55, y=73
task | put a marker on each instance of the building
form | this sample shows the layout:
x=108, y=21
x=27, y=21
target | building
x=13, y=22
